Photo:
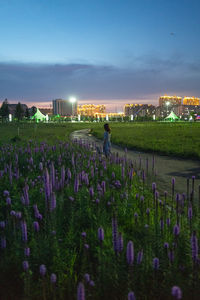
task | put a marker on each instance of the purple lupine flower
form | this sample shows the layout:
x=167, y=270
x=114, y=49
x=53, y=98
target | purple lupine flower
x=194, y=246
x=76, y=185
x=168, y=221
x=135, y=216
x=39, y=217
x=26, y=195
x=24, y=231
x=6, y=193
x=103, y=185
x=139, y=257
x=53, y=202
x=43, y=270
x=8, y=201
x=142, y=198
x=97, y=201
x=153, y=187
x=12, y=213
x=156, y=194
x=62, y=176
x=114, y=233
x=22, y=200
x=18, y=215
x=130, y=253
x=120, y=243
x=87, y=277
x=100, y=234
x=176, y=292
x=176, y=230
x=91, y=283
x=81, y=291
x=91, y=192
x=25, y=265
x=3, y=242
x=2, y=224
x=131, y=296
x=40, y=166
x=86, y=246
x=71, y=198
x=36, y=226
x=69, y=174
x=118, y=184
x=166, y=245
x=27, y=251
x=190, y=213
x=130, y=175
x=53, y=278
x=113, y=175
x=47, y=184
x=148, y=211
x=156, y=263
x=83, y=234
x=171, y=255
x=92, y=171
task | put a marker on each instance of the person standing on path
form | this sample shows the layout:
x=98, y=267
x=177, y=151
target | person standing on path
x=106, y=140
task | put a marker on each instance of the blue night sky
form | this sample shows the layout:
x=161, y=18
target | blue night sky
x=109, y=51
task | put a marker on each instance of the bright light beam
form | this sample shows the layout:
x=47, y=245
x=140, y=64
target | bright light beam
x=72, y=99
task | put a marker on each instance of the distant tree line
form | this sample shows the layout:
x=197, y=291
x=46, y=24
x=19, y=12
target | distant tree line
x=19, y=112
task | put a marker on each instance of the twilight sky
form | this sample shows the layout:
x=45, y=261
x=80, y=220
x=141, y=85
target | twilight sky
x=101, y=51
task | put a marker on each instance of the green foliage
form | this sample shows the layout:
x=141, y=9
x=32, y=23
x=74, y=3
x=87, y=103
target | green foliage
x=19, y=112
x=4, y=110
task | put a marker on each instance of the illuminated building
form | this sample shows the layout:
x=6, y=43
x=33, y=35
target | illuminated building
x=191, y=101
x=64, y=107
x=141, y=110
x=91, y=110
x=169, y=100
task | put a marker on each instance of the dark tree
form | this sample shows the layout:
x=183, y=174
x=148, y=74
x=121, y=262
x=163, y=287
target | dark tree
x=33, y=110
x=4, y=110
x=27, y=114
x=19, y=112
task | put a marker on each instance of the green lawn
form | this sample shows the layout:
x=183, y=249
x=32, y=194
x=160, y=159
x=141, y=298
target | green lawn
x=178, y=139
x=50, y=133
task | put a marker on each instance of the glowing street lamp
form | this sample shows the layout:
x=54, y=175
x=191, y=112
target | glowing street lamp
x=167, y=104
x=72, y=100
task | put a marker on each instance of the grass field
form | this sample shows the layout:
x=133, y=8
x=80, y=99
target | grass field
x=177, y=139
x=51, y=132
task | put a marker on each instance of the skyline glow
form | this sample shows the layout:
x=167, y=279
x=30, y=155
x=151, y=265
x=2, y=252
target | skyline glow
x=100, y=50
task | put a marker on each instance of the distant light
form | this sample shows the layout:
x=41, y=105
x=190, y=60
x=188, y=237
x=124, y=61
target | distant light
x=72, y=99
x=167, y=103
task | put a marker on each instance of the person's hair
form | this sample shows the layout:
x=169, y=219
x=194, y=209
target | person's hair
x=107, y=128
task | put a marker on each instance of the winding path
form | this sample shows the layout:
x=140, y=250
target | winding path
x=158, y=168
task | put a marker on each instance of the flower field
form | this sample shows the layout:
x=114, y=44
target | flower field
x=74, y=225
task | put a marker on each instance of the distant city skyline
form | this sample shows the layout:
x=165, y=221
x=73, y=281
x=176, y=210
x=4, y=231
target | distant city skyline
x=113, y=51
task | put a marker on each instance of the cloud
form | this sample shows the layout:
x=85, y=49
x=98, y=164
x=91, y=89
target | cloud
x=145, y=78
